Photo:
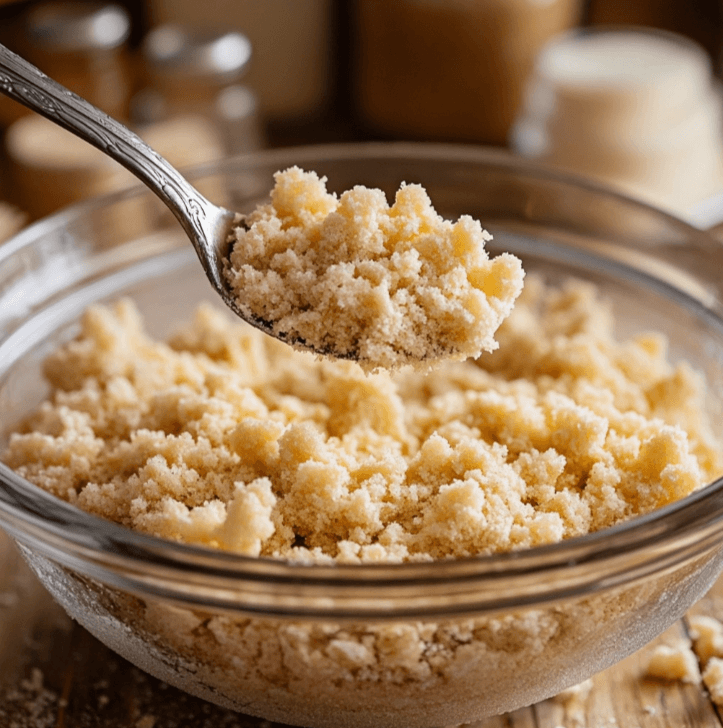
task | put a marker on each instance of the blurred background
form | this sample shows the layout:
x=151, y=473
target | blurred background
x=623, y=92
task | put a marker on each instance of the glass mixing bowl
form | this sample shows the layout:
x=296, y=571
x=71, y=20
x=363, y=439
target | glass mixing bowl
x=423, y=644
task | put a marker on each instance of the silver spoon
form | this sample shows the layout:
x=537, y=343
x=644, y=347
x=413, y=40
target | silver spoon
x=207, y=225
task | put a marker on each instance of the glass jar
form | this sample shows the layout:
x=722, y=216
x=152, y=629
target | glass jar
x=450, y=70
x=198, y=75
x=636, y=108
x=82, y=46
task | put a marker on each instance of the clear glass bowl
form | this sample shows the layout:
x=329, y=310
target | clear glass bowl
x=402, y=645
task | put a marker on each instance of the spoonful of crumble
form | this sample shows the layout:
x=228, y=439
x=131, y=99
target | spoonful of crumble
x=349, y=277
x=356, y=278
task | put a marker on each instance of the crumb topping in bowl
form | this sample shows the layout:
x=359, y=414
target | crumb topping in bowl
x=227, y=438
x=374, y=644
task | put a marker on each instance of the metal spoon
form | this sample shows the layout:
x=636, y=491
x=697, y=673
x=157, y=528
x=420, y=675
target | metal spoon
x=207, y=225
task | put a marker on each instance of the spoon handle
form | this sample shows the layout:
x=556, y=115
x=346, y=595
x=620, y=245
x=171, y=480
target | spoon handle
x=25, y=83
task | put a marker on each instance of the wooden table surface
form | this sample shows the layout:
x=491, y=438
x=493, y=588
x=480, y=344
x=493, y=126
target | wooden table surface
x=53, y=674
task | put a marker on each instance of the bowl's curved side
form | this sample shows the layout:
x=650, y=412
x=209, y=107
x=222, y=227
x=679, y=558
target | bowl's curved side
x=424, y=673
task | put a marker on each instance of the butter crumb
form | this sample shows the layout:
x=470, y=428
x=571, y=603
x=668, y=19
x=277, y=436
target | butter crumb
x=713, y=679
x=674, y=662
x=359, y=279
x=707, y=635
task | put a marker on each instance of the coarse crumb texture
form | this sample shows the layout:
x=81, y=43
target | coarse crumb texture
x=359, y=279
x=707, y=635
x=227, y=438
x=674, y=662
x=713, y=679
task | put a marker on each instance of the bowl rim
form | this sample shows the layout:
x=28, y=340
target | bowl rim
x=431, y=151
x=597, y=561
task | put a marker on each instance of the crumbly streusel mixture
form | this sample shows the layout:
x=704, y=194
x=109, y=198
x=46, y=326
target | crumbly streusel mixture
x=707, y=635
x=228, y=438
x=360, y=279
x=674, y=662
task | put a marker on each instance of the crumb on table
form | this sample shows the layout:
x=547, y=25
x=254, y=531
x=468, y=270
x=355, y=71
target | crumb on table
x=674, y=662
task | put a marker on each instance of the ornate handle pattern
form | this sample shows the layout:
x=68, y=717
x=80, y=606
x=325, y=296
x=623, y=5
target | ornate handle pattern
x=25, y=83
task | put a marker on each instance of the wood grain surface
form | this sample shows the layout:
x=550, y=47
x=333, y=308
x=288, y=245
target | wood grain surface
x=53, y=674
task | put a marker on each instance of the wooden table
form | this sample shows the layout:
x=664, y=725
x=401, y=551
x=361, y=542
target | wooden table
x=53, y=674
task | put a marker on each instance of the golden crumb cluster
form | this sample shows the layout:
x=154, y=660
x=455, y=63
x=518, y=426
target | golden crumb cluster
x=225, y=437
x=693, y=662
x=360, y=279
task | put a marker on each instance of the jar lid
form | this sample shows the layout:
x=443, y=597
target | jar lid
x=628, y=78
x=73, y=27
x=173, y=54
